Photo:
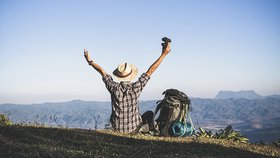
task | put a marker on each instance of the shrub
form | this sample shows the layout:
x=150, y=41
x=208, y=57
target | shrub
x=4, y=120
x=276, y=143
x=227, y=133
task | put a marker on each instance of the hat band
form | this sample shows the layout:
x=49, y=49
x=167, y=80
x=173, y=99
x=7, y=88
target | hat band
x=123, y=76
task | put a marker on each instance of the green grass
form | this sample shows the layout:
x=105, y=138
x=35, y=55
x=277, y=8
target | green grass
x=26, y=141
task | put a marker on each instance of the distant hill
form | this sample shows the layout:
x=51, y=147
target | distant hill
x=73, y=114
x=273, y=96
x=26, y=142
x=250, y=116
x=247, y=94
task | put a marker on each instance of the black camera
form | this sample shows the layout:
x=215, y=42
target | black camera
x=165, y=40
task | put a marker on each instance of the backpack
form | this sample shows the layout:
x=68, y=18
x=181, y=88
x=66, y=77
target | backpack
x=174, y=110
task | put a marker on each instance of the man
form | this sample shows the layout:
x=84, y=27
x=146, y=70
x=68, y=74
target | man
x=125, y=115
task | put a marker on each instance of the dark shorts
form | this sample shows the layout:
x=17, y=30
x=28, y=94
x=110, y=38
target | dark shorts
x=148, y=123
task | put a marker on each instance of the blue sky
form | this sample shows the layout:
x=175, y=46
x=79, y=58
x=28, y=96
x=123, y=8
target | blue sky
x=216, y=45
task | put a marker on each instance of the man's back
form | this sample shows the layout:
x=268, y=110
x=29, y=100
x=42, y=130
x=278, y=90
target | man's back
x=125, y=115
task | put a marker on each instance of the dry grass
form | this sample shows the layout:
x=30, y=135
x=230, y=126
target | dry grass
x=22, y=141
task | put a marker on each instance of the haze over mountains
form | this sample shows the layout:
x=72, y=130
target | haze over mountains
x=255, y=115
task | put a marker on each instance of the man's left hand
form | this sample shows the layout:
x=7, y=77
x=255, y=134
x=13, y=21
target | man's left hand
x=167, y=49
x=86, y=55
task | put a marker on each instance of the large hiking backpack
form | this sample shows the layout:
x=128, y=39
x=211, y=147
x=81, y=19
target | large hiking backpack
x=174, y=110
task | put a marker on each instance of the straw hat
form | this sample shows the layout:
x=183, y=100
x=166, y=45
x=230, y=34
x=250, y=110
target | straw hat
x=125, y=72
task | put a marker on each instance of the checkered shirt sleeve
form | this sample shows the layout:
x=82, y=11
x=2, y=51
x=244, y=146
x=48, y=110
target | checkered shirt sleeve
x=109, y=83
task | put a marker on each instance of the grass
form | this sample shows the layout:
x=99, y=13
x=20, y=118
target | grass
x=27, y=141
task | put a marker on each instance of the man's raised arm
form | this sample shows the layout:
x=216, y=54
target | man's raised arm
x=93, y=64
x=155, y=65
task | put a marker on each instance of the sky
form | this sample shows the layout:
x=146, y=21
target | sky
x=216, y=45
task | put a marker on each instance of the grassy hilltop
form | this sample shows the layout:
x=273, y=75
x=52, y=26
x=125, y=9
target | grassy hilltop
x=26, y=141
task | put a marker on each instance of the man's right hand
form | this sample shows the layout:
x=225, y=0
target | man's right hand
x=86, y=55
x=167, y=49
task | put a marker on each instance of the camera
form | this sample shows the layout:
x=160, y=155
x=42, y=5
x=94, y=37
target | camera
x=165, y=40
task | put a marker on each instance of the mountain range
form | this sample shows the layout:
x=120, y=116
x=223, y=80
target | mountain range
x=256, y=116
x=246, y=94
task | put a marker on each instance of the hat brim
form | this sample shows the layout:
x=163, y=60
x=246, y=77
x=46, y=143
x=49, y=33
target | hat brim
x=128, y=78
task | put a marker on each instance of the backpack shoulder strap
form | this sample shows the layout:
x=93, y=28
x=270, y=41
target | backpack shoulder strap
x=159, y=104
x=182, y=114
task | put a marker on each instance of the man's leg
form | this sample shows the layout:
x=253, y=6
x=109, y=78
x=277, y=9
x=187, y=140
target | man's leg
x=148, y=121
x=147, y=117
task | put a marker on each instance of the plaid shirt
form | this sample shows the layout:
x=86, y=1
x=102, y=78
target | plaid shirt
x=125, y=115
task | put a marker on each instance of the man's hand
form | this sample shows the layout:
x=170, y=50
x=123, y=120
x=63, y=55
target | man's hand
x=154, y=66
x=93, y=64
x=167, y=49
x=86, y=55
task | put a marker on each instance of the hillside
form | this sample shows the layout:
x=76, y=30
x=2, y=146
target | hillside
x=22, y=141
x=250, y=116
